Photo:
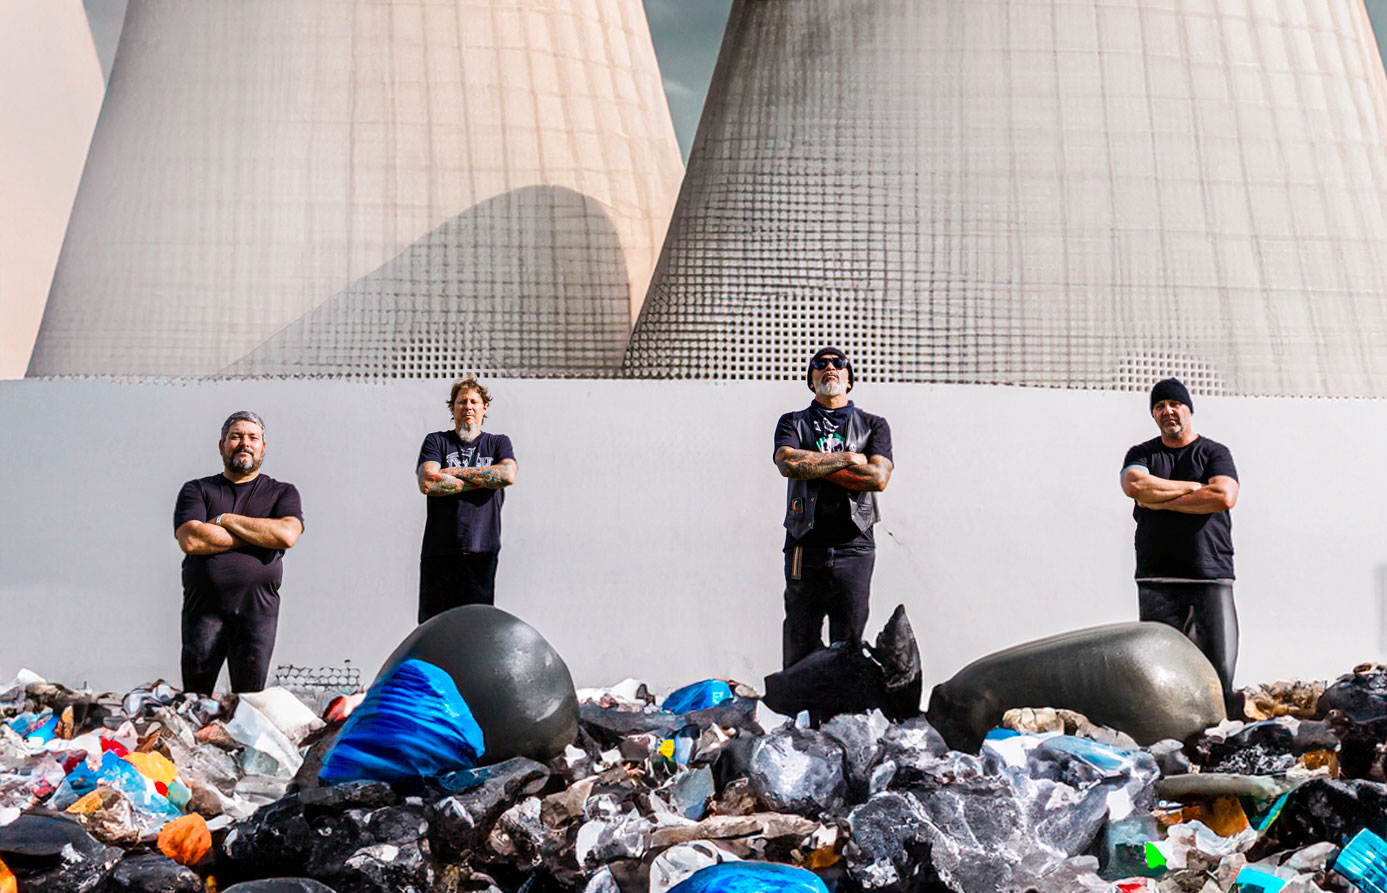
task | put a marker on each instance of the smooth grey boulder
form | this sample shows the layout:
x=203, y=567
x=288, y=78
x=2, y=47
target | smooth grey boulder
x=516, y=685
x=1145, y=679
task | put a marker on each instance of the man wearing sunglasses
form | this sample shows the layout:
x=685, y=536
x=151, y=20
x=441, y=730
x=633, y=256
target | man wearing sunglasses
x=836, y=458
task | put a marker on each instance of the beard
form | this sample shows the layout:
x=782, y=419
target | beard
x=241, y=463
x=827, y=388
x=468, y=433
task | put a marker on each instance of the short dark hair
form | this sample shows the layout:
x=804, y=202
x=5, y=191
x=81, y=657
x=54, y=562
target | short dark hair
x=244, y=415
x=469, y=383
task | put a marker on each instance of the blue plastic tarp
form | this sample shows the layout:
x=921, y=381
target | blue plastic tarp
x=412, y=724
x=699, y=696
x=751, y=877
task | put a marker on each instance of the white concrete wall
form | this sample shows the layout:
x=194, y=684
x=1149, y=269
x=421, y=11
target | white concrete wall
x=643, y=536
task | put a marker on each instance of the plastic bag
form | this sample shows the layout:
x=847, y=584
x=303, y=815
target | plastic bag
x=413, y=723
x=752, y=877
x=699, y=696
x=290, y=715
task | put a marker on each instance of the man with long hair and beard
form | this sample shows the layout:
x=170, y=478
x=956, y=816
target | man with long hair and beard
x=463, y=472
x=233, y=529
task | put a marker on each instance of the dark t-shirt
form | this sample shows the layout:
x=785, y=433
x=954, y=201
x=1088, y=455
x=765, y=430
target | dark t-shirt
x=833, y=524
x=1177, y=544
x=471, y=521
x=244, y=580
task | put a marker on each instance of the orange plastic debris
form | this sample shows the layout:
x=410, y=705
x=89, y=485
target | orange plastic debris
x=186, y=839
x=89, y=803
x=8, y=884
x=1224, y=816
x=154, y=766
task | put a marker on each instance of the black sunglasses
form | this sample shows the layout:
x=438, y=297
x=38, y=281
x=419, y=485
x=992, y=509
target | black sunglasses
x=824, y=362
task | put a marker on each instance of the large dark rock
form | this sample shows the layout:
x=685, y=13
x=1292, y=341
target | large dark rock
x=460, y=823
x=1145, y=679
x=516, y=685
x=152, y=873
x=853, y=677
x=51, y=852
x=1324, y=809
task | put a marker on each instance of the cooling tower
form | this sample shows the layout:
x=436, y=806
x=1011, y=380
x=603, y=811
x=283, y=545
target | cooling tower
x=1076, y=194
x=395, y=188
x=51, y=94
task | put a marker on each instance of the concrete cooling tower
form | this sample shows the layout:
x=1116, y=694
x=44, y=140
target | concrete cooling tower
x=400, y=188
x=1080, y=194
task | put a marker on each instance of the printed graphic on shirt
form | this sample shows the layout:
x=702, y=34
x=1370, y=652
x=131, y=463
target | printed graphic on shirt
x=466, y=458
x=832, y=442
x=826, y=427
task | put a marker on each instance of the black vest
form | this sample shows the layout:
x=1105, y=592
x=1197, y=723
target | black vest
x=802, y=496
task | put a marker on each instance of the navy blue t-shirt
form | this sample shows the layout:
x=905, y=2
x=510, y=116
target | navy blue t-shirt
x=471, y=521
x=833, y=524
x=1177, y=544
x=244, y=580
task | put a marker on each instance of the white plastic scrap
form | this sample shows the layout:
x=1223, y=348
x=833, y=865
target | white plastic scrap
x=675, y=864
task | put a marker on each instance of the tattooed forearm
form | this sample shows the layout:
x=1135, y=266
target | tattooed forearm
x=436, y=483
x=806, y=465
x=872, y=476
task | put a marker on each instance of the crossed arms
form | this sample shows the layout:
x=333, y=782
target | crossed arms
x=235, y=531
x=1190, y=497
x=434, y=480
x=851, y=471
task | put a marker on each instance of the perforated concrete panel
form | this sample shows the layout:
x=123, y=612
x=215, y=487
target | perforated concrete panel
x=1074, y=193
x=380, y=189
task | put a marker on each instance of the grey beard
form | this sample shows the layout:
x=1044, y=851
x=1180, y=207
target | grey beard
x=240, y=464
x=468, y=433
x=831, y=388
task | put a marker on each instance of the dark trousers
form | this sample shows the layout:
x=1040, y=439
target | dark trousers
x=450, y=581
x=244, y=642
x=832, y=583
x=1201, y=609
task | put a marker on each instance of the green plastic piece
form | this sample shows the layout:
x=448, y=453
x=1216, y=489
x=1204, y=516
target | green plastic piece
x=1154, y=857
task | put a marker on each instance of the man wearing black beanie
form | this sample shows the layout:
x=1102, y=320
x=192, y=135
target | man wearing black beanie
x=836, y=458
x=1185, y=487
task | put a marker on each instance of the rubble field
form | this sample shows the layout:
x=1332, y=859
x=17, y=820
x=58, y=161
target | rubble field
x=161, y=790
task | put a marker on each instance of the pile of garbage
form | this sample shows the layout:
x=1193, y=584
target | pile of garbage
x=170, y=791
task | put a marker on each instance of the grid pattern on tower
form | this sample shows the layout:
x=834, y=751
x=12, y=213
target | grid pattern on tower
x=1070, y=193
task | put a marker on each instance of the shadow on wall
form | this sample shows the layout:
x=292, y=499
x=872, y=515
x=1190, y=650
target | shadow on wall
x=529, y=283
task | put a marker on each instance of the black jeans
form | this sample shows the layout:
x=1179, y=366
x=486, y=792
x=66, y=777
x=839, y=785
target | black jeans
x=450, y=581
x=244, y=642
x=825, y=582
x=1201, y=609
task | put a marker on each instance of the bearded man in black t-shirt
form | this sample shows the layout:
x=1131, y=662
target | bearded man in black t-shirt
x=1185, y=487
x=463, y=472
x=234, y=528
x=837, y=458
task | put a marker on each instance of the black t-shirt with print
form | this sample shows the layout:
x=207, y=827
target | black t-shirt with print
x=833, y=524
x=471, y=521
x=1177, y=544
x=244, y=580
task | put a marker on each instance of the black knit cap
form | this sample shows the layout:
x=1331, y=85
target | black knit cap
x=1171, y=389
x=826, y=352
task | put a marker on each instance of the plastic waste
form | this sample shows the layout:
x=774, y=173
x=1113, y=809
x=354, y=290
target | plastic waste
x=288, y=714
x=689, y=791
x=185, y=840
x=150, y=871
x=265, y=749
x=1363, y=862
x=1128, y=849
x=514, y=682
x=413, y=724
x=698, y=696
x=672, y=866
x=1250, y=880
x=751, y=877
x=799, y=770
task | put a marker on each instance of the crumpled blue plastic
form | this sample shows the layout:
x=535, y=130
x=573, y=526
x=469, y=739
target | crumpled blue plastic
x=122, y=776
x=751, y=877
x=699, y=696
x=412, y=724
